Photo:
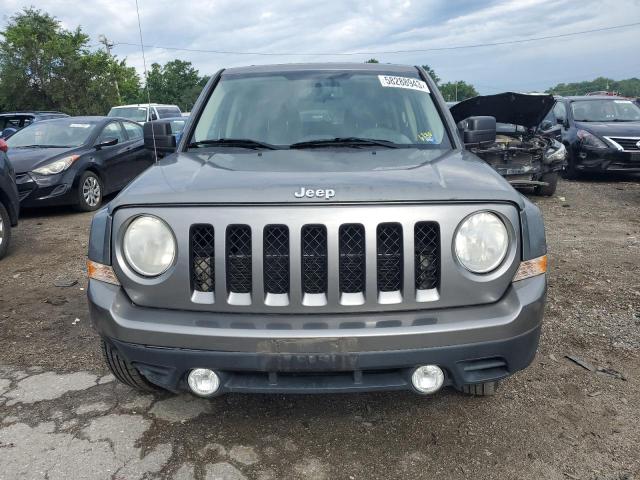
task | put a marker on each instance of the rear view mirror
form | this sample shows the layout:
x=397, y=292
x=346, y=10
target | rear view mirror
x=159, y=136
x=478, y=130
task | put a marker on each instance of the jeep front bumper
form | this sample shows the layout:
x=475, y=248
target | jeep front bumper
x=471, y=344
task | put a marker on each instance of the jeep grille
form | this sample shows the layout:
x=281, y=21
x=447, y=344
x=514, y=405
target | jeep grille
x=314, y=268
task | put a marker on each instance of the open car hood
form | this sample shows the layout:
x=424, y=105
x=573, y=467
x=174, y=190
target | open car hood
x=516, y=108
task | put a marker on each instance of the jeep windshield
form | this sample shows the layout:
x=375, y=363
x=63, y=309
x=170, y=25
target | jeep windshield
x=605, y=111
x=320, y=109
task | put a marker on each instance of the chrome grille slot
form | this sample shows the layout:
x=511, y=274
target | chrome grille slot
x=352, y=264
x=427, y=255
x=276, y=259
x=202, y=258
x=314, y=265
x=352, y=258
x=238, y=263
x=389, y=258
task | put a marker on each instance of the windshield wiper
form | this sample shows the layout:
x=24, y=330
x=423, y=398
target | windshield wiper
x=233, y=142
x=347, y=142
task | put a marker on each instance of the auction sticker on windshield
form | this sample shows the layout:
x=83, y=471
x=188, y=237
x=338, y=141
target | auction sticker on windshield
x=403, y=82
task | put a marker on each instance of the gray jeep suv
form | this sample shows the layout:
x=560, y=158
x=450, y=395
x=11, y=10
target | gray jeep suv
x=319, y=228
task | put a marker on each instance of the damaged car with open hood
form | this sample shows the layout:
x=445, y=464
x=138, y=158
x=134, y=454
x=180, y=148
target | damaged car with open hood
x=525, y=149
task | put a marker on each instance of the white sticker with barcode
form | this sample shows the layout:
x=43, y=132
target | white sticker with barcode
x=403, y=82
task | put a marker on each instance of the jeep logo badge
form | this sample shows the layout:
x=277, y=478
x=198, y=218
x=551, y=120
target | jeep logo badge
x=326, y=193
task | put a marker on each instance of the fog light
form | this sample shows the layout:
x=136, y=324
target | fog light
x=203, y=382
x=427, y=378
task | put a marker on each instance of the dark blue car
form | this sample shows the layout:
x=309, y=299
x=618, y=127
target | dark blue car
x=9, y=204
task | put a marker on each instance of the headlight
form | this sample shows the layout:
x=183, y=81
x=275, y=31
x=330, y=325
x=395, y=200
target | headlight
x=590, y=140
x=58, y=166
x=556, y=154
x=481, y=242
x=149, y=246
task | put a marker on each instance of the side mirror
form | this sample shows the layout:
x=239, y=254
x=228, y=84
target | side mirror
x=7, y=132
x=107, y=142
x=478, y=130
x=561, y=121
x=159, y=136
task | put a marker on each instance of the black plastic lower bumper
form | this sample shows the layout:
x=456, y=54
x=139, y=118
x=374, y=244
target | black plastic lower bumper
x=332, y=372
x=610, y=160
x=53, y=190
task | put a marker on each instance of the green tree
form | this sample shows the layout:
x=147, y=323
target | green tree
x=176, y=82
x=128, y=82
x=372, y=60
x=627, y=88
x=457, y=91
x=43, y=66
x=432, y=73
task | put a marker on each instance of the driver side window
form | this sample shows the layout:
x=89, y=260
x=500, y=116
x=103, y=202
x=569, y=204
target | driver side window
x=112, y=130
x=560, y=111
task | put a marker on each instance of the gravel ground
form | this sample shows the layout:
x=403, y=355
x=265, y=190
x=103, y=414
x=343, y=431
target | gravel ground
x=62, y=416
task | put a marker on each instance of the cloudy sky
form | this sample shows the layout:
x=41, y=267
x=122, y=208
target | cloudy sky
x=391, y=31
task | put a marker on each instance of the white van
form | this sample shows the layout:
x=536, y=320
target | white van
x=145, y=112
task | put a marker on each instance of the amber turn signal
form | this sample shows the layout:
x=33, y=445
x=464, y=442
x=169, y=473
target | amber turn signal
x=104, y=273
x=531, y=268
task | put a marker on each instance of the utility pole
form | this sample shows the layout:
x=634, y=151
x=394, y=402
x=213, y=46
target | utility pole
x=108, y=45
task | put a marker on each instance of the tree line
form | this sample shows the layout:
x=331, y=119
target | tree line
x=46, y=67
x=626, y=88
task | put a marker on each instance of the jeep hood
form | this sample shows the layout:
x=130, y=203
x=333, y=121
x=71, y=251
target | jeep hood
x=514, y=108
x=272, y=176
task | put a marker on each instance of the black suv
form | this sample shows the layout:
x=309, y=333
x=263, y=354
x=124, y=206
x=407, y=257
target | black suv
x=11, y=122
x=601, y=133
x=9, y=205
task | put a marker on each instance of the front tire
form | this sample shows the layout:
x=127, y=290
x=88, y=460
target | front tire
x=551, y=179
x=89, y=192
x=487, y=389
x=5, y=231
x=125, y=372
x=570, y=172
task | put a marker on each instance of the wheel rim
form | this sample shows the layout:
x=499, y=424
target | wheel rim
x=91, y=191
x=1, y=231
